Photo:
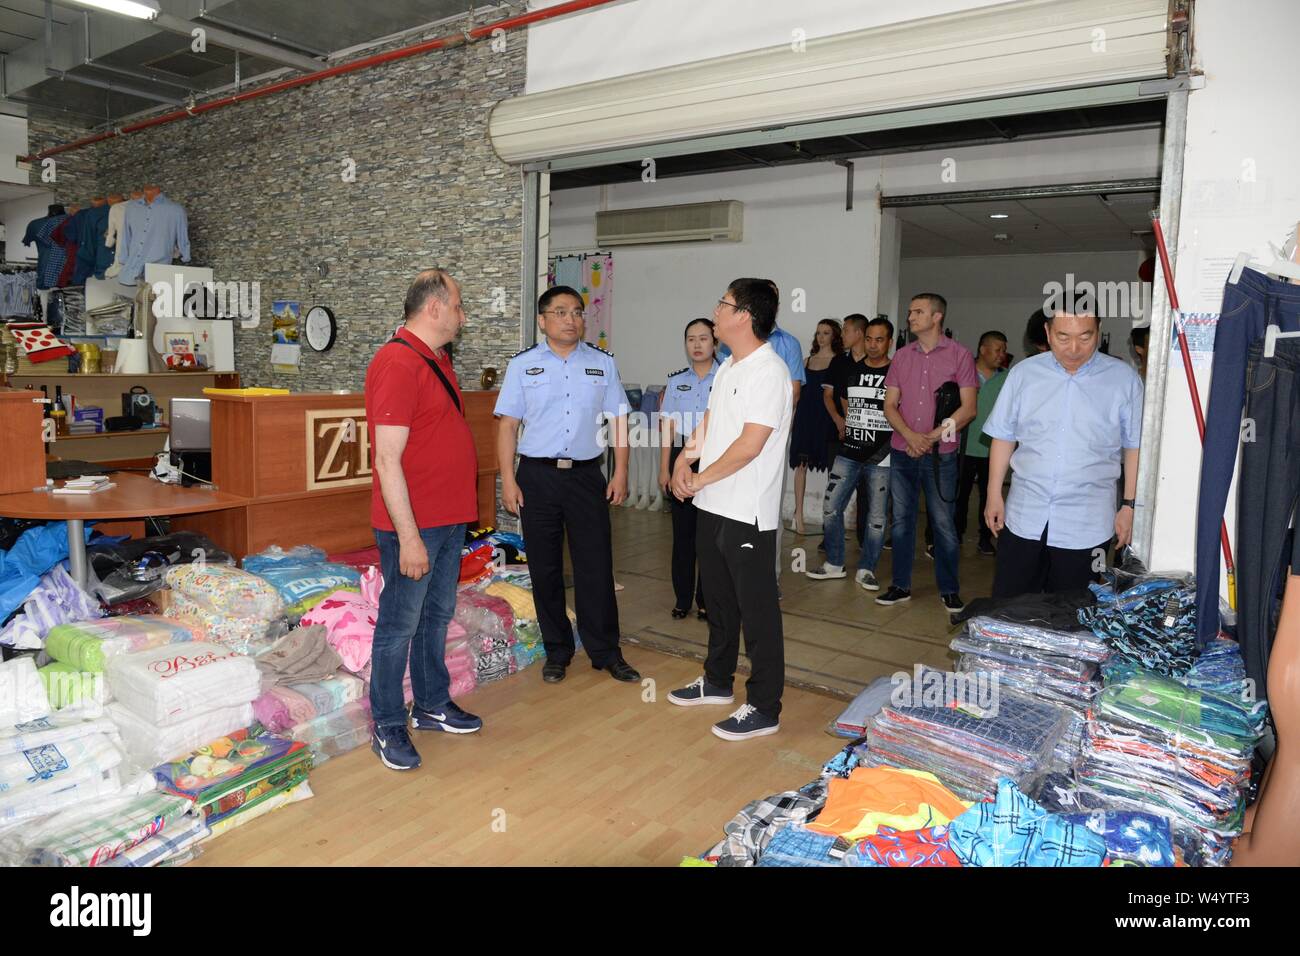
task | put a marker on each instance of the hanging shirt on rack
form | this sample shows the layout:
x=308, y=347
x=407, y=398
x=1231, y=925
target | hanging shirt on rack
x=153, y=233
x=93, y=257
x=113, y=235
x=51, y=256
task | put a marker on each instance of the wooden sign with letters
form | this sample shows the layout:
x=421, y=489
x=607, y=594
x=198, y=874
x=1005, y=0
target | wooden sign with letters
x=338, y=448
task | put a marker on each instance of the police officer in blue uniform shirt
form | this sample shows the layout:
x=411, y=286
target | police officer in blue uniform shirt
x=560, y=390
x=686, y=399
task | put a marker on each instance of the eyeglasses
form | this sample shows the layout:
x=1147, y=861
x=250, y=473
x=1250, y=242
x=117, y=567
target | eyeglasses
x=730, y=305
x=565, y=313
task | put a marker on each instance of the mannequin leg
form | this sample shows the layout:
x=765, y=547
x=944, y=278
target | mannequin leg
x=633, y=468
x=1274, y=838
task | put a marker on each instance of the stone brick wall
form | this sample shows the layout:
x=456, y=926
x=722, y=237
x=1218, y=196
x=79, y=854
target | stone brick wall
x=264, y=187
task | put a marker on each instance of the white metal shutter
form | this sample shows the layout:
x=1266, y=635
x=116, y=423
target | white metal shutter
x=1007, y=49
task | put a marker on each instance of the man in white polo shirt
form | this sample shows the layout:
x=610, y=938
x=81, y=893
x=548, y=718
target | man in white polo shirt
x=741, y=446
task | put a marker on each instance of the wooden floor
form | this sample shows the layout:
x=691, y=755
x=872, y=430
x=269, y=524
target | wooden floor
x=586, y=772
x=837, y=638
x=594, y=772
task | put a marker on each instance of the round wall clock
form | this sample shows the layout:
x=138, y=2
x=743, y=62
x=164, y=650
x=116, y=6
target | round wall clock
x=321, y=328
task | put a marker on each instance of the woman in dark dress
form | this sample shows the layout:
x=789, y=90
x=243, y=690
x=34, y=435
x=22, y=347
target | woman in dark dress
x=813, y=430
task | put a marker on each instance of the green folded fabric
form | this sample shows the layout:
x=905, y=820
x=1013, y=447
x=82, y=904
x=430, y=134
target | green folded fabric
x=67, y=684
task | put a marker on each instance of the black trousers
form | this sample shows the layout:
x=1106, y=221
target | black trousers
x=974, y=474
x=557, y=500
x=1267, y=492
x=738, y=563
x=1031, y=567
x=688, y=582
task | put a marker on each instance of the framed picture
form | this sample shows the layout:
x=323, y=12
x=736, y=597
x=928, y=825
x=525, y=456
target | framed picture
x=178, y=350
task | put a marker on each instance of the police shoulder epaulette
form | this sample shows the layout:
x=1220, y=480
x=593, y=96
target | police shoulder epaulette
x=599, y=349
x=522, y=351
x=678, y=372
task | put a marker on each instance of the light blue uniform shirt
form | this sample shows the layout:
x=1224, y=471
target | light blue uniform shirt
x=686, y=399
x=561, y=401
x=785, y=345
x=1072, y=430
x=152, y=232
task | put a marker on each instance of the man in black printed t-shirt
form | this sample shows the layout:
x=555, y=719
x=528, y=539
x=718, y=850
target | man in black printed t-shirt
x=855, y=397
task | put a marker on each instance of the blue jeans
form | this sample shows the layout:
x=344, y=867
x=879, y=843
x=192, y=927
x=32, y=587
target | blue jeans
x=413, y=619
x=844, y=480
x=908, y=476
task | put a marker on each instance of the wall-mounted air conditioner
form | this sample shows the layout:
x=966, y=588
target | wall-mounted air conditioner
x=693, y=222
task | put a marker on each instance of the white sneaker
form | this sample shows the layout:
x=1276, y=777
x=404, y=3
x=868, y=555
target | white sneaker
x=826, y=572
x=867, y=579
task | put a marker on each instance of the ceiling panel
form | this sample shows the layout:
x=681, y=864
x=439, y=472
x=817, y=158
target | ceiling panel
x=1059, y=224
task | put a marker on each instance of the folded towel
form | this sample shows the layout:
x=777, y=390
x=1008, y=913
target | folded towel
x=88, y=644
x=166, y=685
x=149, y=745
x=300, y=656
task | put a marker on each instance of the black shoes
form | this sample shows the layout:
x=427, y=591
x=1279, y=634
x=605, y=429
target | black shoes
x=553, y=673
x=894, y=595
x=678, y=613
x=953, y=603
x=622, y=670
x=702, y=614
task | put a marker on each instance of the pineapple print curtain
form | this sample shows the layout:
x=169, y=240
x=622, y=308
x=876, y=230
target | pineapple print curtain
x=592, y=274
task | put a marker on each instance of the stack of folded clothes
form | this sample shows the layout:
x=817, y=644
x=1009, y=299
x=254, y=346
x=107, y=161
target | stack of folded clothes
x=229, y=606
x=1151, y=623
x=302, y=576
x=168, y=696
x=56, y=762
x=87, y=645
x=1154, y=744
x=1056, y=666
x=970, y=748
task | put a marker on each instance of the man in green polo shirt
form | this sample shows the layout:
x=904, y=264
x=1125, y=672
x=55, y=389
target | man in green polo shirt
x=975, y=461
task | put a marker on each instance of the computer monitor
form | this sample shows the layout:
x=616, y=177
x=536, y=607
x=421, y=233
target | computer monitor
x=191, y=424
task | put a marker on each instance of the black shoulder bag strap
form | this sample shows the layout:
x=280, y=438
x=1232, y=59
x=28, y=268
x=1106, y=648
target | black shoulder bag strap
x=455, y=399
x=947, y=400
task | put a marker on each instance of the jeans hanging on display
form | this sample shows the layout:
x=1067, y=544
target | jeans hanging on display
x=1249, y=307
x=1266, y=499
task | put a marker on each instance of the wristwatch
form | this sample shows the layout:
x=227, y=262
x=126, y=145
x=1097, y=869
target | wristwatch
x=1128, y=503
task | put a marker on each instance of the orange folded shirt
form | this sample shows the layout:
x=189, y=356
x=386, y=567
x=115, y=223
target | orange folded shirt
x=875, y=796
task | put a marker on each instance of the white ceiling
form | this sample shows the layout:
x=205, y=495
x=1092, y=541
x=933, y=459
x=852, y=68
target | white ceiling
x=1056, y=224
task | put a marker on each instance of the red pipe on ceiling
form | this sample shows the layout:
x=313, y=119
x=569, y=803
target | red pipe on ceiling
x=427, y=46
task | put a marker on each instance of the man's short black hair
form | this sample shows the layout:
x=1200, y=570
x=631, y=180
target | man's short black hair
x=1141, y=335
x=992, y=334
x=1036, y=332
x=430, y=282
x=881, y=320
x=554, y=292
x=857, y=320
x=708, y=322
x=937, y=302
x=758, y=298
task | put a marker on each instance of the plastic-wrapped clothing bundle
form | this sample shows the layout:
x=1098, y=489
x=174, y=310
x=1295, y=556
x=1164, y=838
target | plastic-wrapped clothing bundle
x=1220, y=670
x=1156, y=628
x=1075, y=645
x=349, y=622
x=853, y=721
x=48, y=777
x=520, y=599
x=178, y=843
x=231, y=606
x=1125, y=590
x=468, y=600
x=166, y=685
x=234, y=772
x=302, y=576
x=269, y=803
x=332, y=734
x=22, y=693
x=148, y=745
x=969, y=753
x=87, y=645
x=61, y=828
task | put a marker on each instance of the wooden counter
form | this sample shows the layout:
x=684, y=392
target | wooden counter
x=22, y=466
x=303, y=462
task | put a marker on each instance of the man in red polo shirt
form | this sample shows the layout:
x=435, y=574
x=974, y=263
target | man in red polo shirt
x=423, y=495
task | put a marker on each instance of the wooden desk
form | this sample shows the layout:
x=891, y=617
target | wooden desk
x=136, y=496
x=303, y=464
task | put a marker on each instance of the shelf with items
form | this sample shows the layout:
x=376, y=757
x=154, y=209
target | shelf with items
x=158, y=430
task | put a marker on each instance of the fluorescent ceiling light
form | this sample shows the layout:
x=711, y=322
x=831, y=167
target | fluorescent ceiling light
x=998, y=215
x=139, y=9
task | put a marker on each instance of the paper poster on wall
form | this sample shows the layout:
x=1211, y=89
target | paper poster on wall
x=1199, y=328
x=286, y=353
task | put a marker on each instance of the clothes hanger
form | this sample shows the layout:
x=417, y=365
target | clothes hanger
x=1282, y=262
x=1285, y=257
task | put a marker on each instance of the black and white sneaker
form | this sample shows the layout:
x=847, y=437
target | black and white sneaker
x=894, y=595
x=745, y=723
x=700, y=691
x=867, y=579
x=953, y=603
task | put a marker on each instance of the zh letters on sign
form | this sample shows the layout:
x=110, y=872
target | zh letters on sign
x=338, y=448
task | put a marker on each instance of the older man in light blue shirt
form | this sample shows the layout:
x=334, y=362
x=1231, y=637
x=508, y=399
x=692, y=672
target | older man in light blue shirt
x=1077, y=416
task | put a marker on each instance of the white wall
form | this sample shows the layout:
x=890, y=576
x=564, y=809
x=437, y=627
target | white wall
x=13, y=143
x=593, y=45
x=797, y=233
x=1001, y=292
x=1240, y=192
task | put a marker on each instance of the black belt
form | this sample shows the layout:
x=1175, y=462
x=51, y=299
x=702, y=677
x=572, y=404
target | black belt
x=564, y=463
